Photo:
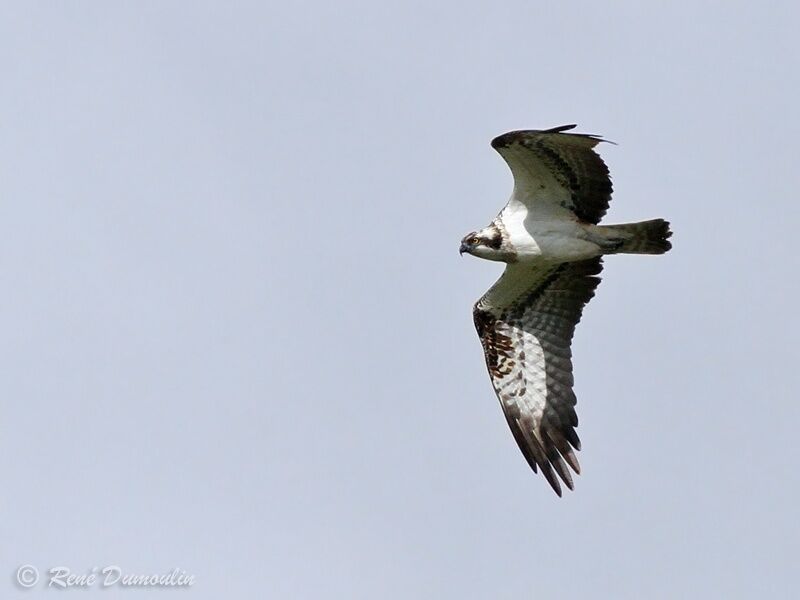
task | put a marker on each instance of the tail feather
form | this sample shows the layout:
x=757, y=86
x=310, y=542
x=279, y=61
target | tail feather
x=646, y=237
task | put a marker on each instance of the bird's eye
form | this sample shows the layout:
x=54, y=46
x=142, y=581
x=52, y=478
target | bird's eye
x=475, y=240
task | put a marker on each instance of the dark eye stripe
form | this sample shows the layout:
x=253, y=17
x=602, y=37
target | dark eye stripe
x=494, y=242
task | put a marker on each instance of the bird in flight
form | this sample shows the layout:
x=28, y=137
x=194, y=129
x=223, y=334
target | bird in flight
x=548, y=236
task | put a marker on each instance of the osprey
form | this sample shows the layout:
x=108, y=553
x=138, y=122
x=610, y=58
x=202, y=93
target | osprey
x=548, y=236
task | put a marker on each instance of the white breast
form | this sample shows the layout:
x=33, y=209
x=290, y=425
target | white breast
x=546, y=232
x=512, y=219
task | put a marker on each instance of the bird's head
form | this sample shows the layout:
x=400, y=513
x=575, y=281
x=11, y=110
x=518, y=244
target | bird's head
x=485, y=243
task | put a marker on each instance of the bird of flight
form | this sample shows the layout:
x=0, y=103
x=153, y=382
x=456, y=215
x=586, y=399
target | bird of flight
x=548, y=236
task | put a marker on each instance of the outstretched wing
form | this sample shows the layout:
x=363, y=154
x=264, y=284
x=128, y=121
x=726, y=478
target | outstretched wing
x=560, y=169
x=525, y=323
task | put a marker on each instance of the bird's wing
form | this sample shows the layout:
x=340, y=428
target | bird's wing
x=525, y=323
x=558, y=169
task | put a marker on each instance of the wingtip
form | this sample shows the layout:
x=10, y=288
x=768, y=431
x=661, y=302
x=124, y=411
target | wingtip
x=560, y=128
x=507, y=139
x=594, y=136
x=551, y=478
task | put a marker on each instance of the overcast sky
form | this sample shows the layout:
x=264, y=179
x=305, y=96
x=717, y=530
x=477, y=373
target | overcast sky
x=237, y=333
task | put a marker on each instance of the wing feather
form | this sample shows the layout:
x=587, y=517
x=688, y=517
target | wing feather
x=557, y=169
x=526, y=323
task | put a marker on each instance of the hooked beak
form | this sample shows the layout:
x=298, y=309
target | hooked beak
x=464, y=248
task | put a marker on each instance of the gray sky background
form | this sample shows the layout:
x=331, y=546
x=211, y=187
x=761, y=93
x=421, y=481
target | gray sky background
x=238, y=335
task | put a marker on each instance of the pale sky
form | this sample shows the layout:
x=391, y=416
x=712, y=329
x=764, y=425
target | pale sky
x=238, y=333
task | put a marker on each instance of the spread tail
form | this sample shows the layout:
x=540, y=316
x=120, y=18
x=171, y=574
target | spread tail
x=647, y=237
